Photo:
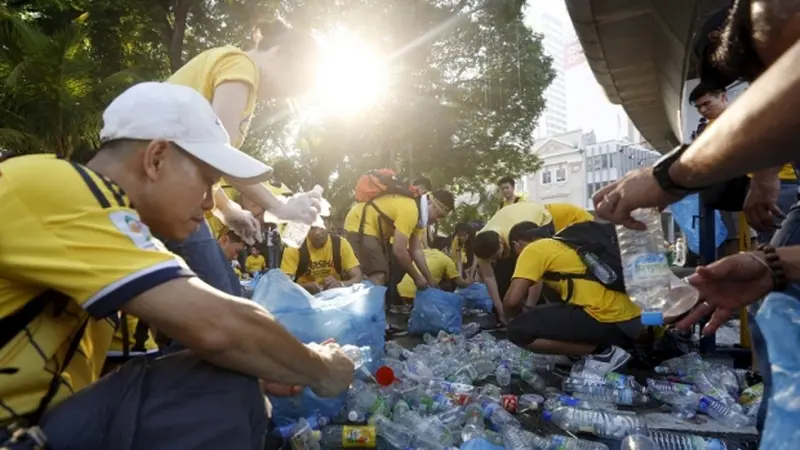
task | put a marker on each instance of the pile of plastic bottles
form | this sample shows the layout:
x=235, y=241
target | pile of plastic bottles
x=450, y=390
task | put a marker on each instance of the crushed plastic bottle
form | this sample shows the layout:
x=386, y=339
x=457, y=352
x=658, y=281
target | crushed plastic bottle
x=294, y=234
x=503, y=374
x=638, y=440
x=600, y=423
x=645, y=268
x=675, y=441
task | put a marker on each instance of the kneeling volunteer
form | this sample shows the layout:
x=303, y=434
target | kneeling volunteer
x=443, y=270
x=88, y=254
x=323, y=262
x=587, y=318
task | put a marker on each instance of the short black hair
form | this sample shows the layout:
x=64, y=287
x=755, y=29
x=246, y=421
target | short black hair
x=704, y=89
x=446, y=198
x=735, y=56
x=507, y=180
x=440, y=243
x=463, y=227
x=527, y=232
x=233, y=237
x=424, y=182
x=486, y=244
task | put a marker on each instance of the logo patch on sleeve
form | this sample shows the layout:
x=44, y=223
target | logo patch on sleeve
x=129, y=224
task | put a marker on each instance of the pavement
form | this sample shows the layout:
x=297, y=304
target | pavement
x=655, y=415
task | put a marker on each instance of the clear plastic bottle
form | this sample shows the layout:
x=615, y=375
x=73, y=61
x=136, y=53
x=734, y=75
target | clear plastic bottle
x=533, y=380
x=513, y=439
x=393, y=433
x=361, y=358
x=294, y=234
x=600, y=423
x=503, y=374
x=303, y=437
x=346, y=436
x=397, y=351
x=568, y=443
x=638, y=440
x=675, y=441
x=473, y=424
x=603, y=392
x=498, y=416
x=366, y=400
x=645, y=267
x=427, y=427
x=598, y=268
x=470, y=329
x=719, y=411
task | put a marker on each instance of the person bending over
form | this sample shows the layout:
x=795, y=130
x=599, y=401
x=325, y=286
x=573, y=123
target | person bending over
x=566, y=214
x=443, y=270
x=594, y=320
x=496, y=259
x=323, y=262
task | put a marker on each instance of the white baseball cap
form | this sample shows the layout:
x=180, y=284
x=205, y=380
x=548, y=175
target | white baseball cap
x=181, y=115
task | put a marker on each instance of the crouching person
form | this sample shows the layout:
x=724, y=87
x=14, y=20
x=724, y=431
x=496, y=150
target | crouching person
x=88, y=253
x=577, y=315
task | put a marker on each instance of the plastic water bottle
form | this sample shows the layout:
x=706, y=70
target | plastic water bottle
x=533, y=380
x=638, y=440
x=600, y=423
x=361, y=357
x=674, y=441
x=723, y=413
x=568, y=443
x=295, y=232
x=645, y=267
x=303, y=437
x=513, y=439
x=499, y=417
x=503, y=374
x=473, y=425
x=395, y=434
x=470, y=329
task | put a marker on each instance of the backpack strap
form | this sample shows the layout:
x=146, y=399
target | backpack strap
x=304, y=261
x=140, y=336
x=569, y=277
x=336, y=244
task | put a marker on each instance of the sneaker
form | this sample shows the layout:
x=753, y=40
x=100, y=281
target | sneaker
x=608, y=361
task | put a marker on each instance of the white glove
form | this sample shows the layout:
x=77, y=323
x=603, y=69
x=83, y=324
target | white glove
x=242, y=222
x=302, y=207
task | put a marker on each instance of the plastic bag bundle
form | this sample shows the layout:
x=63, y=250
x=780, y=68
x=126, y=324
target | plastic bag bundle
x=435, y=310
x=476, y=296
x=352, y=315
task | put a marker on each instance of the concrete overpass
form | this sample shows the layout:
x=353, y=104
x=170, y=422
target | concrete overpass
x=641, y=54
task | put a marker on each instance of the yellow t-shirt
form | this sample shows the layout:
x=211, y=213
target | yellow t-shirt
x=548, y=255
x=455, y=248
x=213, y=67
x=787, y=173
x=118, y=342
x=565, y=214
x=254, y=263
x=441, y=267
x=77, y=237
x=320, y=261
x=504, y=220
x=403, y=211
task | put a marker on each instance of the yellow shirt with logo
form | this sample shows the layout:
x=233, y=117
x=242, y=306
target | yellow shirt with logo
x=320, y=261
x=118, y=342
x=403, y=211
x=254, y=263
x=441, y=267
x=78, y=236
x=548, y=255
x=504, y=220
x=566, y=214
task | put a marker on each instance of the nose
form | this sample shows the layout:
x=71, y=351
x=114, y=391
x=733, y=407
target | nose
x=208, y=200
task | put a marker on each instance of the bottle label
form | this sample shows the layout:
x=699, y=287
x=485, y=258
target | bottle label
x=648, y=266
x=354, y=437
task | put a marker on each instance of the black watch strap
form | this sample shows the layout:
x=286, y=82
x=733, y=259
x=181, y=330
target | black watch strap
x=663, y=178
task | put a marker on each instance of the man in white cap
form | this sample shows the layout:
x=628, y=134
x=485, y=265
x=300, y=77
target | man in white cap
x=79, y=249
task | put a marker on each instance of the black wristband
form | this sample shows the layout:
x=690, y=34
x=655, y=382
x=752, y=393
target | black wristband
x=773, y=260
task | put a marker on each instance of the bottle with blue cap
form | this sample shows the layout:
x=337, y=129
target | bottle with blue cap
x=645, y=267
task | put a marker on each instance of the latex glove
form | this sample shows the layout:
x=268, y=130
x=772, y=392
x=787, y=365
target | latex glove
x=242, y=222
x=303, y=207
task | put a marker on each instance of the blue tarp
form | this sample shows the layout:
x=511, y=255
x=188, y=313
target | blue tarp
x=686, y=213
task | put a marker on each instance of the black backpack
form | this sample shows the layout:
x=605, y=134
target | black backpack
x=592, y=241
x=305, y=257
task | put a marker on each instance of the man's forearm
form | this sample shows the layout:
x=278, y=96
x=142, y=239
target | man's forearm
x=758, y=131
x=259, y=194
x=790, y=257
x=422, y=265
x=405, y=261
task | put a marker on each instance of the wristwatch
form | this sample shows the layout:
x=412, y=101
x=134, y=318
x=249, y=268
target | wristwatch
x=663, y=178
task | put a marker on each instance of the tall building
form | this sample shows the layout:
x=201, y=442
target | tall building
x=547, y=18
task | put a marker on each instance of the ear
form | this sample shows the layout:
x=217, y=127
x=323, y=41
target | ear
x=154, y=158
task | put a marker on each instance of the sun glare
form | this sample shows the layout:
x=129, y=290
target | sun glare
x=351, y=78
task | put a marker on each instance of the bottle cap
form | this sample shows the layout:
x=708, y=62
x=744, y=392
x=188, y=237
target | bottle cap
x=547, y=416
x=316, y=435
x=652, y=318
x=352, y=416
x=385, y=376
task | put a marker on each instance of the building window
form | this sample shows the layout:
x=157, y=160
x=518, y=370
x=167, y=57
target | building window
x=561, y=174
x=547, y=177
x=605, y=161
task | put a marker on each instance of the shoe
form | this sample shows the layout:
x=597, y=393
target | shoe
x=608, y=361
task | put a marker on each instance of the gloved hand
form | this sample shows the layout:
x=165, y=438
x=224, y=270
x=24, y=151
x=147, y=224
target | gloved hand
x=242, y=223
x=302, y=207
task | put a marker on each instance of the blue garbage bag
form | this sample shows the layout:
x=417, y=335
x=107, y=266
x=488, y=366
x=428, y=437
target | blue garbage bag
x=779, y=322
x=435, y=310
x=476, y=296
x=686, y=213
x=479, y=444
x=352, y=315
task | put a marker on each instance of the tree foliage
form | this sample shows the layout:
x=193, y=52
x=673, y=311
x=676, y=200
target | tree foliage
x=467, y=79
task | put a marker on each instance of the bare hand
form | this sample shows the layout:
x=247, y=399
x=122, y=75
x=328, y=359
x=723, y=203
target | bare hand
x=331, y=283
x=421, y=282
x=637, y=189
x=243, y=224
x=725, y=286
x=279, y=390
x=761, y=204
x=303, y=207
x=339, y=373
